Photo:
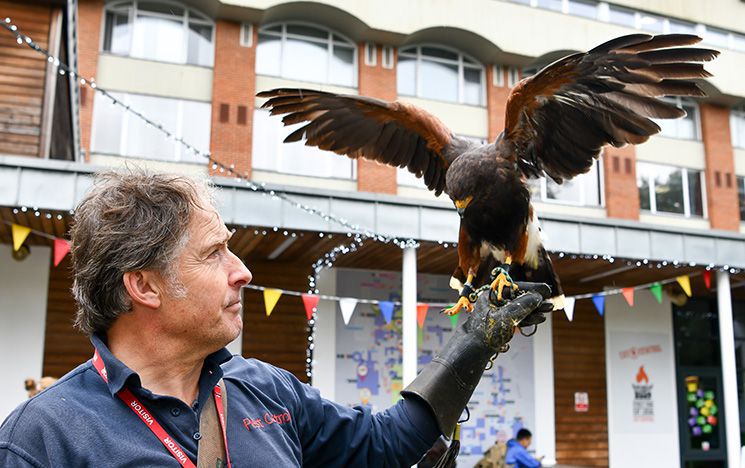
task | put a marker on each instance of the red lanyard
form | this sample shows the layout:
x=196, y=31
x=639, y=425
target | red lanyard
x=149, y=420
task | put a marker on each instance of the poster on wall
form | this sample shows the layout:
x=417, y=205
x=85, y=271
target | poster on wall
x=641, y=381
x=369, y=363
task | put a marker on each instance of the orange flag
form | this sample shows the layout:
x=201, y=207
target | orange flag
x=628, y=294
x=421, y=314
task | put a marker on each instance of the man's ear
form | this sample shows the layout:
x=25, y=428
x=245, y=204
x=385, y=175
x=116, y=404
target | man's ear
x=144, y=288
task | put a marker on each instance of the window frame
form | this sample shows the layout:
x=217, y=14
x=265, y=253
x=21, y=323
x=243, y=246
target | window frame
x=460, y=62
x=330, y=42
x=186, y=20
x=543, y=191
x=737, y=140
x=684, y=187
x=682, y=103
x=740, y=181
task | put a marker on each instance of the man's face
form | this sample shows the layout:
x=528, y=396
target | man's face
x=525, y=442
x=212, y=277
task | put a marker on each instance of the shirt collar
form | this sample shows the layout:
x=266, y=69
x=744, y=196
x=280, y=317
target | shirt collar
x=119, y=374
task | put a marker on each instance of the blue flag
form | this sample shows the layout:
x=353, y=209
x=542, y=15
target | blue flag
x=599, y=302
x=386, y=309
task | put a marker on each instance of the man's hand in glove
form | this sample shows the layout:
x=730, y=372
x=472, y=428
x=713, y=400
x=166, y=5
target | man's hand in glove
x=447, y=382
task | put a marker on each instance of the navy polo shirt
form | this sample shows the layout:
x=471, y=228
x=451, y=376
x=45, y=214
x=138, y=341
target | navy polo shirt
x=273, y=420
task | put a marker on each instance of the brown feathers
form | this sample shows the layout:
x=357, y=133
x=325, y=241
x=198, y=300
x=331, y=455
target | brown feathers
x=559, y=119
x=397, y=134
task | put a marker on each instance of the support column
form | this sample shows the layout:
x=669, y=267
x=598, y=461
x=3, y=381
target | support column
x=324, y=338
x=729, y=372
x=408, y=298
x=543, y=378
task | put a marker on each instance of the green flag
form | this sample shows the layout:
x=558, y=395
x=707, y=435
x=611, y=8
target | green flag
x=656, y=290
x=454, y=321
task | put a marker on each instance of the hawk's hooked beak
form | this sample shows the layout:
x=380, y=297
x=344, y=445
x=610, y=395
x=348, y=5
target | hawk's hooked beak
x=461, y=205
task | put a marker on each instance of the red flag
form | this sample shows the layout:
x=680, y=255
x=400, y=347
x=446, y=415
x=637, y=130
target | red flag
x=61, y=247
x=310, y=301
x=421, y=314
x=707, y=278
x=628, y=294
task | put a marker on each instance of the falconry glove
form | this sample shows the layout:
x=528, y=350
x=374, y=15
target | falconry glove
x=448, y=381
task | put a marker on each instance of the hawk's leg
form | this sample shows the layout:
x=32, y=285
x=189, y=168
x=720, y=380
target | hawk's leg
x=501, y=278
x=464, y=301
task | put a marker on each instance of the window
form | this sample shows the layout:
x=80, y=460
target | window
x=432, y=72
x=686, y=128
x=651, y=23
x=247, y=35
x=387, y=57
x=716, y=37
x=737, y=127
x=371, y=54
x=584, y=8
x=621, y=16
x=513, y=77
x=583, y=190
x=118, y=132
x=741, y=196
x=668, y=189
x=682, y=27
x=271, y=154
x=163, y=30
x=306, y=53
x=407, y=179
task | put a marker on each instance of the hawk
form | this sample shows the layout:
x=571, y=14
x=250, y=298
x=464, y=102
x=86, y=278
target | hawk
x=556, y=124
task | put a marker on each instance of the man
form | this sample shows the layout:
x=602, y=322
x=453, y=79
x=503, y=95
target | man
x=158, y=291
x=517, y=451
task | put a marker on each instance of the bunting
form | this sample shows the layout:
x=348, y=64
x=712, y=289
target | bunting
x=599, y=301
x=61, y=247
x=421, y=314
x=685, y=283
x=310, y=301
x=569, y=307
x=628, y=294
x=20, y=233
x=454, y=321
x=386, y=310
x=656, y=290
x=271, y=296
x=707, y=278
x=347, y=306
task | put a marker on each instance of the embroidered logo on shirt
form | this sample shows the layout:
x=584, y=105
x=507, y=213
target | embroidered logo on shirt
x=266, y=420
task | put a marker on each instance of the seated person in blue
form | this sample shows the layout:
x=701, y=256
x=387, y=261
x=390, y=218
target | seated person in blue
x=159, y=293
x=517, y=451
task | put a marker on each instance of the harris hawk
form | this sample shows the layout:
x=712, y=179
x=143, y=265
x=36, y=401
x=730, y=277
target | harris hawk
x=556, y=124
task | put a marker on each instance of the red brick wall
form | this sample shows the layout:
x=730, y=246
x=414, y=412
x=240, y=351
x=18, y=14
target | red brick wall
x=721, y=186
x=619, y=176
x=90, y=23
x=496, y=100
x=234, y=86
x=378, y=82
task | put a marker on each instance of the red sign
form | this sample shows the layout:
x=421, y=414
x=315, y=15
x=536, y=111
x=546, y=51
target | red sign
x=581, y=402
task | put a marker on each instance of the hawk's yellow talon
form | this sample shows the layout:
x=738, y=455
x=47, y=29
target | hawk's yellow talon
x=463, y=303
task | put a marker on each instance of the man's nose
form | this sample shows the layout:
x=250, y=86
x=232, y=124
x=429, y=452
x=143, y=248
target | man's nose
x=239, y=275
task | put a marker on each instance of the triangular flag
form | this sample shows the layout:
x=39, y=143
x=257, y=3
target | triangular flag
x=386, y=310
x=310, y=301
x=707, y=278
x=421, y=314
x=569, y=307
x=599, y=301
x=347, y=306
x=61, y=247
x=628, y=294
x=454, y=321
x=685, y=282
x=20, y=233
x=271, y=296
x=656, y=290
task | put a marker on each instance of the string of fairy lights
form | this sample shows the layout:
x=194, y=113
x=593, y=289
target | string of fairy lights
x=356, y=235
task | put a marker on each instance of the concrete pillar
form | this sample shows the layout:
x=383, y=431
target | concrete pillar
x=729, y=372
x=543, y=378
x=324, y=338
x=408, y=297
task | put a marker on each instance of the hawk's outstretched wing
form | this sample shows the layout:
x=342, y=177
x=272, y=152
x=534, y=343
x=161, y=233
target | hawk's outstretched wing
x=558, y=120
x=393, y=133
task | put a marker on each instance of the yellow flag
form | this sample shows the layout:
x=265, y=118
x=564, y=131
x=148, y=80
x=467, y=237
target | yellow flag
x=20, y=233
x=271, y=296
x=685, y=283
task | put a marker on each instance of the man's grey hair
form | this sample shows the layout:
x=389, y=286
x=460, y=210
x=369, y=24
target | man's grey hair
x=129, y=221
